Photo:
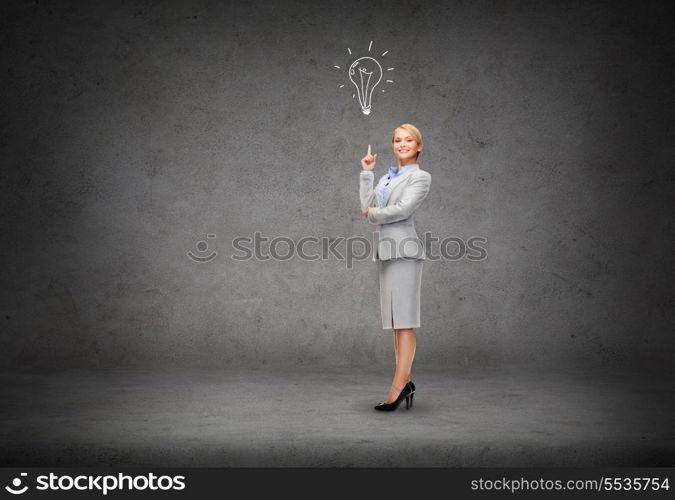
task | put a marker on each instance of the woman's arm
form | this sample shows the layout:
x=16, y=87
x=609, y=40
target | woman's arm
x=414, y=195
x=366, y=191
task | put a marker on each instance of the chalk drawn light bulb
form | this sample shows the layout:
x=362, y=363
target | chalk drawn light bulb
x=365, y=73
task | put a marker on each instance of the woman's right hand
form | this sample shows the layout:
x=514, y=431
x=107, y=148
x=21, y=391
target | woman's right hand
x=368, y=161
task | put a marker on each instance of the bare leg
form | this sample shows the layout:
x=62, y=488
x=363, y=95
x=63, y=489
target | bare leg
x=396, y=348
x=406, y=343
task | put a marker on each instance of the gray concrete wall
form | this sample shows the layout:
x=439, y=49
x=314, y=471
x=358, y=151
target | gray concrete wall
x=130, y=131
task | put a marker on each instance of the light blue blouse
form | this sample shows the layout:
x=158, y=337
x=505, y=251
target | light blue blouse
x=393, y=172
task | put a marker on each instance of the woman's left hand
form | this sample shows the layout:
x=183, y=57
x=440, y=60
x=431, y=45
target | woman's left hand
x=365, y=212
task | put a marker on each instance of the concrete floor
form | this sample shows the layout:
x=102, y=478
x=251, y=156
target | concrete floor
x=323, y=417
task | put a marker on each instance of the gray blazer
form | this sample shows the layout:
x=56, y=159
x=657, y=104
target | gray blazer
x=395, y=228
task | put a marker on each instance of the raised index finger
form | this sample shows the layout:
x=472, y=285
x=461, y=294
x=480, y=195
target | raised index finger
x=369, y=149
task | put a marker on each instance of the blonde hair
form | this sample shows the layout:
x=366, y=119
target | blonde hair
x=413, y=130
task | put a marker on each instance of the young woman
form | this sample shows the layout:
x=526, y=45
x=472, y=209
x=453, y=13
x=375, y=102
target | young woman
x=390, y=205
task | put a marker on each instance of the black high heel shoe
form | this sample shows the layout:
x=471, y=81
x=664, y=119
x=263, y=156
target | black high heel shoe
x=406, y=393
x=412, y=392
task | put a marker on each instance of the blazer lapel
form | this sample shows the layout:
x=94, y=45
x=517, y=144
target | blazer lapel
x=396, y=182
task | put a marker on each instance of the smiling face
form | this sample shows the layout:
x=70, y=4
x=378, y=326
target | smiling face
x=406, y=147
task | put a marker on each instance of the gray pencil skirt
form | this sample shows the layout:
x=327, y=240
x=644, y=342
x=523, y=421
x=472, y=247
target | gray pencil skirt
x=400, y=286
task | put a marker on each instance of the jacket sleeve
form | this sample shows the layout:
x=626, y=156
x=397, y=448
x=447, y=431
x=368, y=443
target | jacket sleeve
x=414, y=195
x=366, y=191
